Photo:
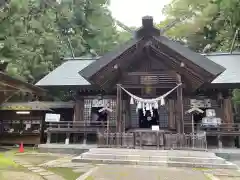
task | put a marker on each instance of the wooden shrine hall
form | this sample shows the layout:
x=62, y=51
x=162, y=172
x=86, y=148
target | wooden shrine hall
x=10, y=86
x=147, y=92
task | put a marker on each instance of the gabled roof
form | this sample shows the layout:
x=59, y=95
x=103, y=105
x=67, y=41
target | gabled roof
x=9, y=83
x=145, y=33
x=107, y=58
x=67, y=74
x=70, y=71
x=198, y=59
x=232, y=64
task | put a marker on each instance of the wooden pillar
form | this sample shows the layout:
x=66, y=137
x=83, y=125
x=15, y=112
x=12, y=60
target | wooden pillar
x=78, y=117
x=228, y=112
x=124, y=115
x=78, y=111
x=127, y=113
x=171, y=112
x=180, y=121
x=67, y=138
x=119, y=109
x=48, y=137
x=219, y=142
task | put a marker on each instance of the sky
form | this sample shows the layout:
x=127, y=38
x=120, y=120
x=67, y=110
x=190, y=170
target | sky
x=130, y=12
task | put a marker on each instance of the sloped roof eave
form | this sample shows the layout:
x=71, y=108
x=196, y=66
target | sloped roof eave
x=198, y=59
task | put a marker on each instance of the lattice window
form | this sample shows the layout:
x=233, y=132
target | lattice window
x=149, y=80
x=88, y=104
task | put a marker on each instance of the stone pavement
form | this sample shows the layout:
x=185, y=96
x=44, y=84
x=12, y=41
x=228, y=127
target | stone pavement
x=126, y=172
x=66, y=162
x=16, y=175
x=129, y=172
x=38, y=170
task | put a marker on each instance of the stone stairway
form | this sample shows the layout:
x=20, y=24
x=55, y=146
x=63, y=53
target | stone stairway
x=174, y=158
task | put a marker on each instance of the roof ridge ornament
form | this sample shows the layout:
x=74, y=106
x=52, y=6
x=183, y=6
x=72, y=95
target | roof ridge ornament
x=147, y=22
x=148, y=29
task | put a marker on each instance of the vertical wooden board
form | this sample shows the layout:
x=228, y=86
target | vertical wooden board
x=78, y=110
x=171, y=110
x=218, y=106
x=179, y=106
x=127, y=113
x=228, y=112
x=187, y=117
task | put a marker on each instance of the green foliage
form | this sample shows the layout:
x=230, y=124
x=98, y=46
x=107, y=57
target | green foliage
x=34, y=34
x=211, y=22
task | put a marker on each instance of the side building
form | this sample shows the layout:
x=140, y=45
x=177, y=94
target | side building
x=9, y=86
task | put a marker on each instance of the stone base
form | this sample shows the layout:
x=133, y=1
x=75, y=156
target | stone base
x=64, y=148
x=193, y=159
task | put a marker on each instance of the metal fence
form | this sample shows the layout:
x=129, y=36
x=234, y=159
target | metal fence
x=170, y=141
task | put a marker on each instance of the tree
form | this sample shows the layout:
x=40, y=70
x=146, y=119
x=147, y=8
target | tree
x=211, y=22
x=34, y=34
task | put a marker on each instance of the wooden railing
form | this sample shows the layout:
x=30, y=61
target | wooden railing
x=170, y=141
x=230, y=128
x=74, y=124
x=80, y=125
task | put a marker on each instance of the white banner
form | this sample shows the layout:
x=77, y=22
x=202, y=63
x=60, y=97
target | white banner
x=52, y=117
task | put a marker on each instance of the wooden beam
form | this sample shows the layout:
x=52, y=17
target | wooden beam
x=108, y=73
x=160, y=86
x=195, y=80
x=157, y=73
x=180, y=112
x=171, y=112
x=118, y=119
x=5, y=96
x=5, y=88
x=20, y=85
x=205, y=74
x=228, y=111
x=177, y=64
x=78, y=110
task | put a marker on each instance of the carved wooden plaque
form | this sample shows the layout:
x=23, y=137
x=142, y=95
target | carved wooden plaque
x=205, y=103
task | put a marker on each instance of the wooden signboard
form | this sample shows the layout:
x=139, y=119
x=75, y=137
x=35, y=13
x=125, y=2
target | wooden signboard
x=205, y=103
x=17, y=108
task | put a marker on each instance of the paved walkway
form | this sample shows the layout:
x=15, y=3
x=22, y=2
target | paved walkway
x=121, y=172
x=128, y=172
x=38, y=170
x=41, y=171
x=66, y=162
x=16, y=175
x=124, y=172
